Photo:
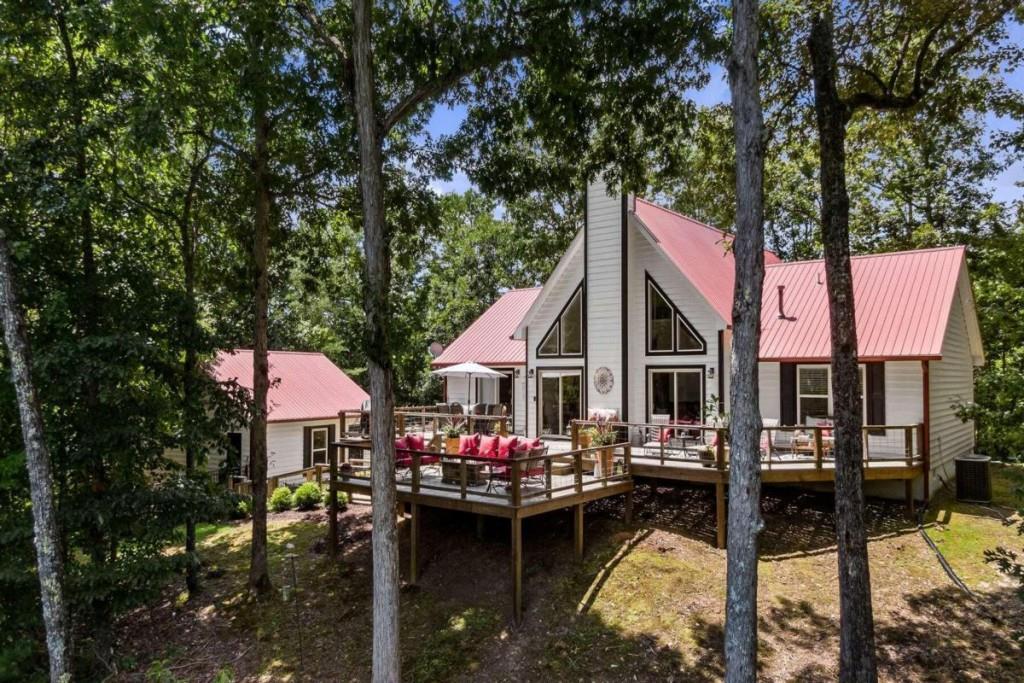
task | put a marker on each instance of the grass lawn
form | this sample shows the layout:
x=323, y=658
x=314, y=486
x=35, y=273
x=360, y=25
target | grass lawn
x=646, y=603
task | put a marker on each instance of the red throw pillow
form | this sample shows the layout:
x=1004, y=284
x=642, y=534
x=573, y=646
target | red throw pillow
x=536, y=443
x=402, y=449
x=506, y=445
x=416, y=442
x=489, y=447
x=469, y=444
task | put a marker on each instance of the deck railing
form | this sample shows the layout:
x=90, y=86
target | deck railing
x=512, y=481
x=428, y=419
x=780, y=445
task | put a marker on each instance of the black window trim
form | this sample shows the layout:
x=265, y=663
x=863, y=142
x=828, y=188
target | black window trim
x=677, y=317
x=557, y=324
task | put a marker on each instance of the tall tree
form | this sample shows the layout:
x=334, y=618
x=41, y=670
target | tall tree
x=745, y=423
x=937, y=36
x=47, y=540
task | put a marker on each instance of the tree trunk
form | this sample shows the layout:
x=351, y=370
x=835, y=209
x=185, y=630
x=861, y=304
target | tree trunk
x=377, y=285
x=259, y=571
x=190, y=370
x=745, y=423
x=37, y=460
x=856, y=624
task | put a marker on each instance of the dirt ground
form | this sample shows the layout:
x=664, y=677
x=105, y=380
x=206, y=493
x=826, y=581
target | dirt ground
x=647, y=602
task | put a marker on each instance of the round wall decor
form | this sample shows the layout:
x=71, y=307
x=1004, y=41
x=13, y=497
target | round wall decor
x=604, y=380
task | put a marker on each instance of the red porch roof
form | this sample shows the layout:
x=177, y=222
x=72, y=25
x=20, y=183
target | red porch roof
x=304, y=385
x=902, y=303
x=488, y=340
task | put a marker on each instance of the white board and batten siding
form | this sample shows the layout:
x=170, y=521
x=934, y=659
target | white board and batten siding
x=646, y=258
x=604, y=294
x=951, y=381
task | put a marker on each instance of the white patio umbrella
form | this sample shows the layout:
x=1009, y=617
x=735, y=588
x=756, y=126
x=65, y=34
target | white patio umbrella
x=468, y=370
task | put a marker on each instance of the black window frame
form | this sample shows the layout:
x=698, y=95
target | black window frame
x=556, y=327
x=677, y=318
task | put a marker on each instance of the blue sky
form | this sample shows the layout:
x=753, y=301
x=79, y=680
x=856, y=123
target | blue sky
x=447, y=119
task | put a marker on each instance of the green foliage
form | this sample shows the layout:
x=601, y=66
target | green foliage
x=280, y=499
x=307, y=496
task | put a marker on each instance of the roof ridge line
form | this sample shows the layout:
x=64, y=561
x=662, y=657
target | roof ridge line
x=954, y=247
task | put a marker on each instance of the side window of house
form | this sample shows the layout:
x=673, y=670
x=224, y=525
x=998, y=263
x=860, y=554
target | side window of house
x=318, y=445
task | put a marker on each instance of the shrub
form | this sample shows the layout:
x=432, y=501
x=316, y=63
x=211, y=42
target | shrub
x=241, y=506
x=281, y=499
x=307, y=496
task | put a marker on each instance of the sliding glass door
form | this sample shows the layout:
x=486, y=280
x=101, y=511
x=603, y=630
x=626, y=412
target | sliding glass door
x=677, y=393
x=559, y=396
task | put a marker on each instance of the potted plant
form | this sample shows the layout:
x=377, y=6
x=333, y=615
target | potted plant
x=452, y=431
x=586, y=436
x=603, y=434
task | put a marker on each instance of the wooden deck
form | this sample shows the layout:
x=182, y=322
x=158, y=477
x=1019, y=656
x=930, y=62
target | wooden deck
x=512, y=488
x=700, y=453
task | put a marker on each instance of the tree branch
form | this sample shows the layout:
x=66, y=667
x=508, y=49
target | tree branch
x=434, y=88
x=328, y=40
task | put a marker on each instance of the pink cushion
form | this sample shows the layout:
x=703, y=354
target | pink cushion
x=826, y=423
x=402, y=455
x=469, y=444
x=416, y=442
x=535, y=443
x=489, y=446
x=506, y=445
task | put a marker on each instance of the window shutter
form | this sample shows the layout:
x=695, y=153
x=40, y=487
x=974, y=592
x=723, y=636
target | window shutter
x=787, y=385
x=307, y=447
x=874, y=392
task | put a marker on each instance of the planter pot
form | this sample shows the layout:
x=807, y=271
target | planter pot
x=451, y=445
x=584, y=440
x=605, y=459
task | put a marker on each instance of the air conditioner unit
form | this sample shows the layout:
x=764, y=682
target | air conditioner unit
x=973, y=479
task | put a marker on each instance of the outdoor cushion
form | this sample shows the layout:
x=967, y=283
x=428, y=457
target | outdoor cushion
x=506, y=445
x=402, y=455
x=489, y=447
x=416, y=442
x=469, y=444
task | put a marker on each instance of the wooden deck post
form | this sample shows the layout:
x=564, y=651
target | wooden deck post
x=577, y=470
x=274, y=483
x=332, y=499
x=343, y=423
x=517, y=567
x=574, y=432
x=415, y=472
x=818, y=448
x=414, y=543
x=577, y=528
x=908, y=445
x=517, y=483
x=720, y=448
x=400, y=423
x=720, y=513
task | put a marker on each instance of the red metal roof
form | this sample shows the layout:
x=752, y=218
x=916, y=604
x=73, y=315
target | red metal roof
x=699, y=251
x=488, y=340
x=902, y=303
x=304, y=385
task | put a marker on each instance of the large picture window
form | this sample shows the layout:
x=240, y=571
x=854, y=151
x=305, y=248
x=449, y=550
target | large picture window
x=668, y=330
x=565, y=336
x=677, y=393
x=814, y=392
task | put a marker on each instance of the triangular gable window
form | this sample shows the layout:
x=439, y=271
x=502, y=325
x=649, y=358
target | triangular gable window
x=668, y=330
x=565, y=337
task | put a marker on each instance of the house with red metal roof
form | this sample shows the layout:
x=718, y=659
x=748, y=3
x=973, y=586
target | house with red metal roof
x=307, y=393
x=635, y=320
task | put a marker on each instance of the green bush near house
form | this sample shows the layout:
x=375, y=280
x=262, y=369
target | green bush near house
x=307, y=496
x=281, y=499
